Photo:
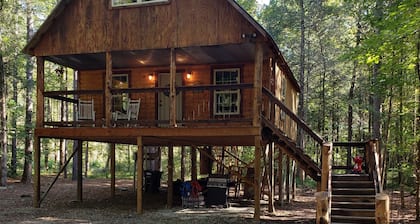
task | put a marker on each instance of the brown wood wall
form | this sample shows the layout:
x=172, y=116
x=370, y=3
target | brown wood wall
x=196, y=104
x=93, y=26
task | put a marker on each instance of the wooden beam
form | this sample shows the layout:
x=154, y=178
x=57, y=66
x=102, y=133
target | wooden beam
x=40, y=70
x=108, y=86
x=170, y=176
x=79, y=171
x=139, y=175
x=258, y=73
x=326, y=166
x=257, y=178
x=287, y=191
x=37, y=172
x=112, y=169
x=280, y=176
x=172, y=89
x=270, y=178
x=193, y=163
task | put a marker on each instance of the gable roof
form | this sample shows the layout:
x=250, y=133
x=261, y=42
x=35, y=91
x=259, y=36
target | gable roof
x=63, y=4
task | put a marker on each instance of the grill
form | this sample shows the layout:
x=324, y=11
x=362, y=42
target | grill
x=217, y=190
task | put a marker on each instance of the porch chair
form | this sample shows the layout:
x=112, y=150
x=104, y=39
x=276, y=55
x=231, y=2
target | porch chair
x=85, y=110
x=133, y=109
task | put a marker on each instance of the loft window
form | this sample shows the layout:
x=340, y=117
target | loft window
x=227, y=102
x=116, y=3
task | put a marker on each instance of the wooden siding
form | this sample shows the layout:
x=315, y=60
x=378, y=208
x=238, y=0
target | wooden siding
x=197, y=105
x=93, y=26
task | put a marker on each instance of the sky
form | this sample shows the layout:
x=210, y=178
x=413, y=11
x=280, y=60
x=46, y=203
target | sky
x=263, y=2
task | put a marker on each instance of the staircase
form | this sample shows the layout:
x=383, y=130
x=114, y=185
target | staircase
x=353, y=199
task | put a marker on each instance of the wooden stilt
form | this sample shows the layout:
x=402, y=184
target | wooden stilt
x=79, y=171
x=170, y=176
x=257, y=178
x=193, y=163
x=287, y=191
x=140, y=175
x=37, y=170
x=112, y=171
x=280, y=177
x=270, y=179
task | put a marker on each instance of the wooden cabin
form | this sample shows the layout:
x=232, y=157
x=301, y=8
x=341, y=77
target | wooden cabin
x=205, y=73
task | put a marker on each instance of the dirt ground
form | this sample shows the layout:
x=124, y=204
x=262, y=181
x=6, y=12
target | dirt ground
x=98, y=207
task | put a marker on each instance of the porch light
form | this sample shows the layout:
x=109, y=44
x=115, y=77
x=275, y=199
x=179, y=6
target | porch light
x=189, y=75
x=151, y=77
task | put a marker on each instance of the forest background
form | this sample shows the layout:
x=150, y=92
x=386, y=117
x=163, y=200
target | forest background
x=357, y=63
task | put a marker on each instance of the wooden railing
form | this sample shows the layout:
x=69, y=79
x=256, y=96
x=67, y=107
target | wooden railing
x=197, y=106
x=373, y=164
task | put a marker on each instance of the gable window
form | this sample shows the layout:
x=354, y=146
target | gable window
x=227, y=102
x=116, y=3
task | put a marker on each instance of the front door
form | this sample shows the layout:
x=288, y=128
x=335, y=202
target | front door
x=164, y=100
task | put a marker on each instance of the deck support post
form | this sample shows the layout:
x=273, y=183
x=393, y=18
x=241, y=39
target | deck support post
x=382, y=214
x=40, y=72
x=193, y=163
x=139, y=175
x=112, y=167
x=270, y=178
x=170, y=176
x=287, y=191
x=172, y=89
x=258, y=71
x=108, y=86
x=280, y=177
x=37, y=172
x=257, y=178
x=79, y=171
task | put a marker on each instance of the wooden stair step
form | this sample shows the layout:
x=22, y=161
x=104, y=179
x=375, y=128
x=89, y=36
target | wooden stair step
x=355, y=205
x=352, y=212
x=353, y=219
x=353, y=184
x=353, y=198
x=350, y=177
x=353, y=191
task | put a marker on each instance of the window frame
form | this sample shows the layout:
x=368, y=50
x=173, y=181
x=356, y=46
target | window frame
x=217, y=93
x=137, y=3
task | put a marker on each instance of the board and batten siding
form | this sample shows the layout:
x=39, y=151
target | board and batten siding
x=94, y=26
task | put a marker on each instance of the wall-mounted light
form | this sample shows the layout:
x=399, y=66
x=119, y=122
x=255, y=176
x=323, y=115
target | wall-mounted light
x=151, y=77
x=189, y=75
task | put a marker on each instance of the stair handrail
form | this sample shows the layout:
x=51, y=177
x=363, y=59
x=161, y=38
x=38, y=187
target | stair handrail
x=373, y=164
x=293, y=116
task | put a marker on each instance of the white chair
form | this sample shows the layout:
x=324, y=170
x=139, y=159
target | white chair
x=133, y=109
x=85, y=110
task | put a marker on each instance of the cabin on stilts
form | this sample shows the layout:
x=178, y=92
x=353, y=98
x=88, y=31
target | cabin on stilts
x=166, y=73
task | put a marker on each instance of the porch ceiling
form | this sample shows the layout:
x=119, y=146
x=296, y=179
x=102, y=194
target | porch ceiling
x=220, y=54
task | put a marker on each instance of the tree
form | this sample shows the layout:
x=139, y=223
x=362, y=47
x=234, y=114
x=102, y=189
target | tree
x=3, y=133
x=27, y=169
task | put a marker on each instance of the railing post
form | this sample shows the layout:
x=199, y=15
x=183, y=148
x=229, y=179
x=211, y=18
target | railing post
x=382, y=215
x=323, y=198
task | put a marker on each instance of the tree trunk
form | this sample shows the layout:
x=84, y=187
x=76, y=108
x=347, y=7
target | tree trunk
x=13, y=166
x=417, y=130
x=3, y=123
x=27, y=169
x=301, y=108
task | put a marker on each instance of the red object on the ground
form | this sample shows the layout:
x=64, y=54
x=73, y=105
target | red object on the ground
x=358, y=160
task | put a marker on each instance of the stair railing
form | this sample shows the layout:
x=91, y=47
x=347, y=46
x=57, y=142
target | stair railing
x=373, y=164
x=382, y=211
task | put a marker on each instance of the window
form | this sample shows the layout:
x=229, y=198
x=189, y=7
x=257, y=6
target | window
x=119, y=101
x=116, y=3
x=227, y=102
